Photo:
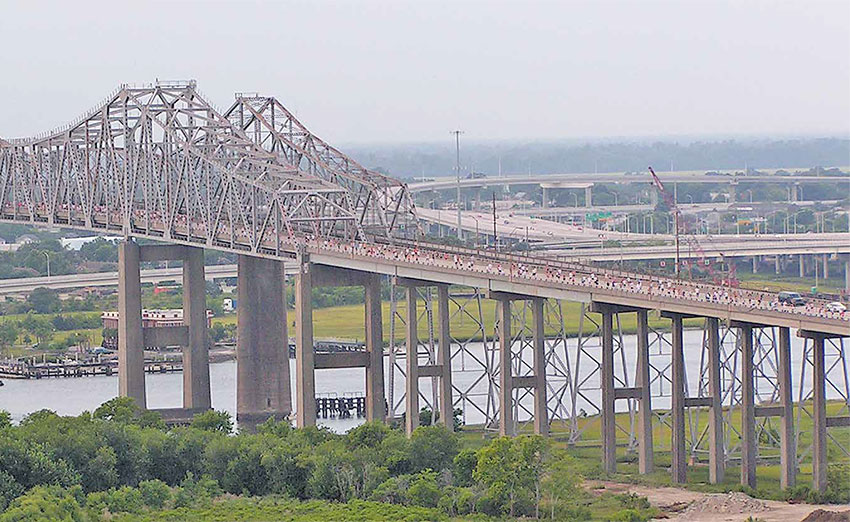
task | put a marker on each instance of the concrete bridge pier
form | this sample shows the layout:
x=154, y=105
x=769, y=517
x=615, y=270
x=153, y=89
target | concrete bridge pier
x=777, y=264
x=131, y=348
x=847, y=275
x=646, y=457
x=507, y=380
x=307, y=361
x=679, y=463
x=305, y=364
x=440, y=368
x=820, y=421
x=787, y=444
x=802, y=265
x=640, y=392
x=588, y=196
x=749, y=443
x=545, y=197
x=192, y=335
x=826, y=266
x=262, y=344
x=716, y=451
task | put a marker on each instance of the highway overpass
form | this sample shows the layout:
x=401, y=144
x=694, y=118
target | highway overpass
x=582, y=180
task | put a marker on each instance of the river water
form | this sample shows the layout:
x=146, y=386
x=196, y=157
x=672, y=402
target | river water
x=71, y=396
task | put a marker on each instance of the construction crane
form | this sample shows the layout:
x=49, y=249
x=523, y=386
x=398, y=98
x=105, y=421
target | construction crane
x=690, y=238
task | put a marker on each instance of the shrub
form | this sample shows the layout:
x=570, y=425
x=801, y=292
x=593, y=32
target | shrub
x=424, y=490
x=46, y=503
x=432, y=447
x=215, y=421
x=464, y=466
x=155, y=493
x=629, y=515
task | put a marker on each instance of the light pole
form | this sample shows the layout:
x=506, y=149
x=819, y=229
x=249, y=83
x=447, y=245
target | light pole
x=48, y=263
x=690, y=199
x=751, y=194
x=457, y=134
x=575, y=196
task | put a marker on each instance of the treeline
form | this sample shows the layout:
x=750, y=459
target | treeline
x=416, y=160
x=120, y=459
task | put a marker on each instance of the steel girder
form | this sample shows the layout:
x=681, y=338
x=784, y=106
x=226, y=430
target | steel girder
x=160, y=161
x=383, y=204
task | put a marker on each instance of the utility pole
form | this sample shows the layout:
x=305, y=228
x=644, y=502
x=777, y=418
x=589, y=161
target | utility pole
x=457, y=134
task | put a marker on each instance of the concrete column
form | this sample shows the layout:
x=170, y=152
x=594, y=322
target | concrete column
x=777, y=265
x=305, y=366
x=733, y=192
x=795, y=193
x=375, y=407
x=653, y=196
x=588, y=196
x=788, y=446
x=847, y=275
x=646, y=456
x=131, y=350
x=196, y=365
x=541, y=413
x=819, y=461
x=716, y=450
x=606, y=375
x=755, y=264
x=545, y=197
x=506, y=419
x=262, y=344
x=411, y=417
x=802, y=265
x=826, y=266
x=679, y=462
x=748, y=419
x=444, y=358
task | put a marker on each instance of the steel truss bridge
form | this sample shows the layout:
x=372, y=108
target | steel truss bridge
x=160, y=162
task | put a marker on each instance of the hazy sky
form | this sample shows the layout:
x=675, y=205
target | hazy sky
x=413, y=70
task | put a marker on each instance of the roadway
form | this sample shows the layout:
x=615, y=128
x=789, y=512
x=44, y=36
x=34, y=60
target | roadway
x=581, y=180
x=510, y=226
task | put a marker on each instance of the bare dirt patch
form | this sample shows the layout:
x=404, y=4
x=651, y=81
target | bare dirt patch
x=681, y=504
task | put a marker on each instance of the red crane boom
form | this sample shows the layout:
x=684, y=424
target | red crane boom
x=729, y=278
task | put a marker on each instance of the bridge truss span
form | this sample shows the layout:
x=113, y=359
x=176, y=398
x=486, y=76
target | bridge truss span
x=159, y=161
x=383, y=204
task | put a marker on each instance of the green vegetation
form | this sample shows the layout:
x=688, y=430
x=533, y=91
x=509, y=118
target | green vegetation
x=120, y=463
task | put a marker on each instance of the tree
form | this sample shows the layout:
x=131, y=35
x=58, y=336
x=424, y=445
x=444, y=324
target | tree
x=40, y=327
x=511, y=469
x=9, y=332
x=432, y=447
x=212, y=420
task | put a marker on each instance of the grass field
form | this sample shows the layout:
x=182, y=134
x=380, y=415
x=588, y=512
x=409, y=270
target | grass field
x=588, y=451
x=348, y=322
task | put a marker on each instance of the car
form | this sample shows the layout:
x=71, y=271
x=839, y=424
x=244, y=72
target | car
x=835, y=306
x=791, y=298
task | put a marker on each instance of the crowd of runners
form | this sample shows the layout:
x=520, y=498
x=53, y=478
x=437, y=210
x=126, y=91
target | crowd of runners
x=576, y=275
x=535, y=270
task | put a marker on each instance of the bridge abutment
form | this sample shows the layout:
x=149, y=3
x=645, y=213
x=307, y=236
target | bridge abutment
x=262, y=346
